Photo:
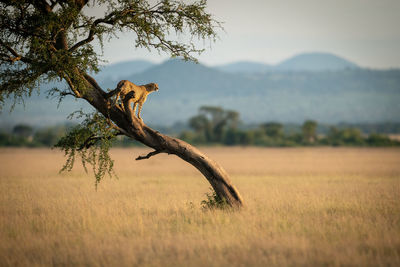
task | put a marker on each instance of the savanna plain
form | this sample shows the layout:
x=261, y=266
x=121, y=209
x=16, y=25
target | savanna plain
x=304, y=207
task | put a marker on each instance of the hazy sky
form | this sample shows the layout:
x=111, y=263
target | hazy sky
x=366, y=32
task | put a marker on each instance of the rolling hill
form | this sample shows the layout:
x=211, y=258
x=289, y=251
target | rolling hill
x=315, y=62
x=303, y=62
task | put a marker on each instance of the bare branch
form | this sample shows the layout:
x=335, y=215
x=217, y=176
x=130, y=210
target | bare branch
x=153, y=153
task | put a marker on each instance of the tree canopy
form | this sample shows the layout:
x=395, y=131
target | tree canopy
x=47, y=40
x=44, y=41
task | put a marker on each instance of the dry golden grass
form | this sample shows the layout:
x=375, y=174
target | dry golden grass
x=305, y=206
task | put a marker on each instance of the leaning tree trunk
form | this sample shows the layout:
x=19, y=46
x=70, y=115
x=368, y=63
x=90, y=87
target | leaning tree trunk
x=136, y=129
x=215, y=174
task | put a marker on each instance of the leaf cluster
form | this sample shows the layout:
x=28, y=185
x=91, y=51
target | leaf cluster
x=34, y=46
x=91, y=140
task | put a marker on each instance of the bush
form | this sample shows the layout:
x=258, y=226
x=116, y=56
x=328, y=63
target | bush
x=214, y=202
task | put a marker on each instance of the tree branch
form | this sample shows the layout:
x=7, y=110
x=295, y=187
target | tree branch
x=107, y=20
x=92, y=140
x=93, y=82
x=112, y=93
x=14, y=53
x=72, y=86
x=84, y=41
x=153, y=153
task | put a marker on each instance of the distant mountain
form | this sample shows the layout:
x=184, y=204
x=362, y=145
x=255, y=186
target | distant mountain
x=346, y=95
x=315, y=62
x=302, y=62
x=244, y=67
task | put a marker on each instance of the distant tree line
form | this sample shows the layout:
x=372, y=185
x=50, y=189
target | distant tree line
x=214, y=125
x=24, y=135
x=217, y=126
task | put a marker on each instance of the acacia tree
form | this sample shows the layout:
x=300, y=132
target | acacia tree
x=212, y=122
x=52, y=40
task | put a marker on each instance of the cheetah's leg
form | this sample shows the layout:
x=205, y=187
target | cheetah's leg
x=140, y=109
x=134, y=108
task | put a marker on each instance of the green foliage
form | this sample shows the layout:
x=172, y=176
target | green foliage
x=214, y=202
x=212, y=123
x=91, y=140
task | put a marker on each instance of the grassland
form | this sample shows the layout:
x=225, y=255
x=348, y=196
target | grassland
x=305, y=207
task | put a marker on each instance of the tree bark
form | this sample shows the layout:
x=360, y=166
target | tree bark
x=136, y=129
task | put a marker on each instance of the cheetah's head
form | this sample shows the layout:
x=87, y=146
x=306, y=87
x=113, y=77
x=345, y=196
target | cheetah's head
x=152, y=87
